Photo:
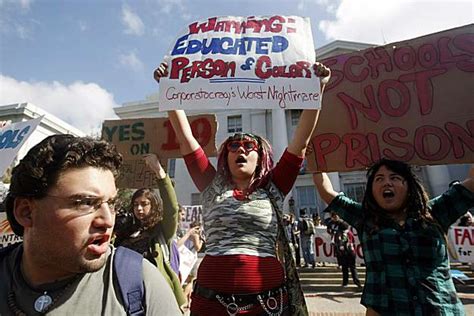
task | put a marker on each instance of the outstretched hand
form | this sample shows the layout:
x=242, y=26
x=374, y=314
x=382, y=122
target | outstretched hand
x=323, y=72
x=161, y=71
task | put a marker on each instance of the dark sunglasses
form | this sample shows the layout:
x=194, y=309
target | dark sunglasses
x=248, y=145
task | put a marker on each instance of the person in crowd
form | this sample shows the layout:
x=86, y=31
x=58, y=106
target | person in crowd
x=296, y=241
x=344, y=245
x=288, y=220
x=307, y=231
x=155, y=223
x=317, y=221
x=242, y=212
x=333, y=225
x=62, y=202
x=403, y=237
x=192, y=240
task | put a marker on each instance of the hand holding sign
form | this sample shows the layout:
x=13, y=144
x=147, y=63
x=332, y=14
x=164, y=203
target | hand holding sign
x=161, y=71
x=154, y=164
x=323, y=72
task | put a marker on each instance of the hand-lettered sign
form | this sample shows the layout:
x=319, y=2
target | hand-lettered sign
x=410, y=101
x=12, y=137
x=137, y=137
x=242, y=62
x=462, y=239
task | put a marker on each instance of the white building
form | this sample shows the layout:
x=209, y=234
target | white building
x=278, y=126
x=49, y=125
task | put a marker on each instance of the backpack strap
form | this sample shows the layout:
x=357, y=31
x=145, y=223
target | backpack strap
x=128, y=268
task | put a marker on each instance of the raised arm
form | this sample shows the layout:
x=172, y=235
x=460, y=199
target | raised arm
x=324, y=186
x=469, y=181
x=308, y=118
x=169, y=222
x=179, y=120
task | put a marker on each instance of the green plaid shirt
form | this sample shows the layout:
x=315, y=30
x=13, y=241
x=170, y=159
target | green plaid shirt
x=408, y=267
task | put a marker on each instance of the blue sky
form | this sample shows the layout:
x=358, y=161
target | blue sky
x=80, y=58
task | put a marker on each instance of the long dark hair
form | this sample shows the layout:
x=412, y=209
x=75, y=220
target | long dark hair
x=417, y=203
x=265, y=158
x=156, y=211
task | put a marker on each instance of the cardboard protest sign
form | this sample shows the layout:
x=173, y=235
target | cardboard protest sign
x=410, y=101
x=242, y=62
x=462, y=238
x=136, y=137
x=7, y=237
x=12, y=137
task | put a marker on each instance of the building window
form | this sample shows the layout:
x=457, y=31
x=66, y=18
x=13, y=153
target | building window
x=234, y=124
x=295, y=116
x=195, y=198
x=171, y=167
x=355, y=191
x=307, y=198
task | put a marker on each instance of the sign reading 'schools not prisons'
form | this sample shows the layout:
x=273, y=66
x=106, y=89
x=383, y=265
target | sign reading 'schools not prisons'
x=242, y=62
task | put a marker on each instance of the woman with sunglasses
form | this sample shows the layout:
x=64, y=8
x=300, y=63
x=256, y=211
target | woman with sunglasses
x=155, y=221
x=242, y=199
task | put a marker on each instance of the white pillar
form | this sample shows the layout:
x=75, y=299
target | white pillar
x=279, y=132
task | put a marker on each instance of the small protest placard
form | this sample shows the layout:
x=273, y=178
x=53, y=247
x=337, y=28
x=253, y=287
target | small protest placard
x=242, y=62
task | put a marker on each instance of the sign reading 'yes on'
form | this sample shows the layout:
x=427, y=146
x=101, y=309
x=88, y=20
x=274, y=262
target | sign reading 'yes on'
x=137, y=137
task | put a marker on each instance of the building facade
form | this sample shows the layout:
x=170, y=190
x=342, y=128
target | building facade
x=49, y=125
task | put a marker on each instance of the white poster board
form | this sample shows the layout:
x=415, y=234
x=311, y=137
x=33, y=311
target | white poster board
x=462, y=240
x=12, y=137
x=324, y=248
x=242, y=62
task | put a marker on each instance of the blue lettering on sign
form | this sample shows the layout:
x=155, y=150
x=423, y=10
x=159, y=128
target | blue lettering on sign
x=230, y=46
x=12, y=138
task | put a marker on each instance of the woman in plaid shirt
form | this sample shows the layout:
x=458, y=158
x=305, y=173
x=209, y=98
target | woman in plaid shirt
x=403, y=236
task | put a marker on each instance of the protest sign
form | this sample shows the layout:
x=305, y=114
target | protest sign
x=193, y=215
x=242, y=62
x=137, y=137
x=7, y=237
x=462, y=240
x=12, y=137
x=409, y=101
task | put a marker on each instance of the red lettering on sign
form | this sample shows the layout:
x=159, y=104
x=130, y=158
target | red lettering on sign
x=387, y=136
x=324, y=144
x=371, y=112
x=424, y=87
x=461, y=137
x=421, y=143
x=404, y=96
x=171, y=142
x=356, y=144
x=378, y=58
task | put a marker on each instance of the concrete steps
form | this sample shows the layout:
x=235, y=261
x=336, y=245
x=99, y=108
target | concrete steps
x=328, y=280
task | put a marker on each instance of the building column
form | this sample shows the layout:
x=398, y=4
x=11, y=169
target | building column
x=438, y=177
x=279, y=133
